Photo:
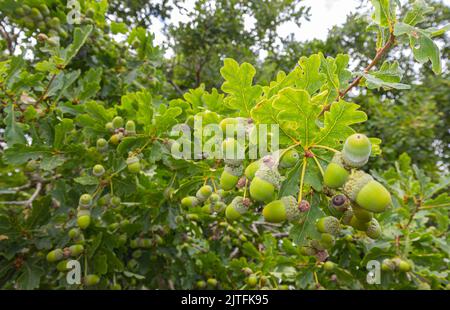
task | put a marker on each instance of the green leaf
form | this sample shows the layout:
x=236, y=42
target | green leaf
x=16, y=65
x=337, y=123
x=384, y=14
x=329, y=67
x=30, y=277
x=100, y=264
x=86, y=180
x=40, y=213
x=80, y=36
x=89, y=85
x=118, y=28
x=61, y=130
x=167, y=119
x=374, y=82
x=417, y=13
x=238, y=85
x=297, y=114
x=20, y=154
x=311, y=79
x=422, y=45
x=302, y=233
x=13, y=132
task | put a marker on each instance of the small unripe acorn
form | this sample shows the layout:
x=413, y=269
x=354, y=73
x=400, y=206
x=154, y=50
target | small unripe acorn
x=74, y=233
x=98, y=170
x=42, y=37
x=308, y=251
x=62, y=266
x=329, y=266
x=328, y=224
x=85, y=200
x=289, y=159
x=91, y=279
x=102, y=144
x=133, y=164
x=230, y=177
x=130, y=128
x=335, y=175
x=109, y=126
x=55, y=255
x=228, y=126
x=402, y=265
x=116, y=138
x=304, y=206
x=340, y=202
x=327, y=240
x=201, y=284
x=190, y=201
x=235, y=209
x=204, y=192
x=251, y=169
x=84, y=221
x=356, y=150
x=252, y=280
x=358, y=225
x=76, y=250
x=374, y=229
x=212, y=282
x=117, y=122
x=361, y=214
x=278, y=211
x=388, y=265
x=261, y=189
x=214, y=197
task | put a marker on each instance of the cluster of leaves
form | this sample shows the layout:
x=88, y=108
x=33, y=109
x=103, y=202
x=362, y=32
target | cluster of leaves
x=56, y=105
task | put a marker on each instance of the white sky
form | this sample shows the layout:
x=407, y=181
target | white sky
x=324, y=15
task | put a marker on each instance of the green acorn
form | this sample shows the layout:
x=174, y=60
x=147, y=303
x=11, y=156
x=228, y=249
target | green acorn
x=62, y=266
x=109, y=126
x=278, y=211
x=83, y=219
x=214, y=198
x=262, y=187
x=251, y=169
x=231, y=126
x=401, y=265
x=374, y=229
x=130, y=128
x=289, y=159
x=329, y=266
x=91, y=279
x=201, y=284
x=366, y=192
x=116, y=138
x=133, y=164
x=335, y=175
x=388, y=265
x=54, y=23
x=74, y=233
x=328, y=224
x=190, y=201
x=347, y=216
x=358, y=225
x=115, y=201
x=204, y=192
x=230, y=177
x=102, y=145
x=98, y=170
x=36, y=14
x=219, y=206
x=308, y=251
x=117, y=122
x=43, y=8
x=85, y=200
x=212, y=282
x=76, y=250
x=55, y=255
x=356, y=150
x=327, y=240
x=361, y=214
x=235, y=209
x=252, y=280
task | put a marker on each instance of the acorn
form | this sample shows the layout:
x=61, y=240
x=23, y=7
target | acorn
x=328, y=224
x=235, y=209
x=252, y=280
x=251, y=169
x=347, y=216
x=366, y=192
x=308, y=251
x=116, y=138
x=374, y=229
x=281, y=210
x=117, y=122
x=388, y=265
x=356, y=150
x=289, y=159
x=133, y=164
x=329, y=266
x=230, y=177
x=358, y=225
x=62, y=266
x=55, y=255
x=91, y=279
x=102, y=145
x=76, y=250
x=231, y=126
x=212, y=282
x=201, y=284
x=98, y=170
x=361, y=214
x=74, y=233
x=109, y=126
x=327, y=240
x=262, y=187
x=335, y=175
x=84, y=219
x=85, y=200
x=130, y=128
x=190, y=201
x=115, y=201
x=204, y=192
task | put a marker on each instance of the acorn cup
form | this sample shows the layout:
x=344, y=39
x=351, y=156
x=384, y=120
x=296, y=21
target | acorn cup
x=130, y=128
x=328, y=224
x=356, y=151
x=281, y=210
x=264, y=184
x=133, y=164
x=235, y=209
x=102, y=145
x=55, y=255
x=117, y=122
x=374, y=229
x=98, y=170
x=366, y=192
x=230, y=177
x=204, y=192
x=85, y=201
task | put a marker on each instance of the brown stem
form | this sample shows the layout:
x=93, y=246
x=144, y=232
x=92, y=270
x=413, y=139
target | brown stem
x=46, y=89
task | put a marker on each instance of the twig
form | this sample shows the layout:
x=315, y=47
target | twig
x=267, y=224
x=8, y=39
x=46, y=90
x=280, y=235
x=26, y=203
x=380, y=53
x=177, y=88
x=234, y=253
